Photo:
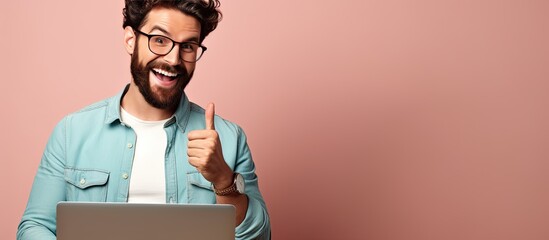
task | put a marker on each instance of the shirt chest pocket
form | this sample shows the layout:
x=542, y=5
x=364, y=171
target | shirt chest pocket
x=199, y=189
x=86, y=185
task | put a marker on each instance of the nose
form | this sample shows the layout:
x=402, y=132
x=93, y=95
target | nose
x=174, y=56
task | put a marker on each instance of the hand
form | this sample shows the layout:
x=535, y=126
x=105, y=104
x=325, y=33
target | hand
x=204, y=151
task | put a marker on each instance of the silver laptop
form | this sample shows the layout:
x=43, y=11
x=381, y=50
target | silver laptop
x=106, y=221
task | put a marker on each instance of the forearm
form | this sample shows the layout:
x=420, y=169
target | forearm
x=256, y=224
x=38, y=221
x=240, y=201
x=29, y=230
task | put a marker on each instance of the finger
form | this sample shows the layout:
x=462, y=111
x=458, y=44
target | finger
x=201, y=134
x=195, y=162
x=201, y=144
x=210, y=113
x=197, y=153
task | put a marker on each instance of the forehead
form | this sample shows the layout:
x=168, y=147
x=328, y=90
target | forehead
x=174, y=22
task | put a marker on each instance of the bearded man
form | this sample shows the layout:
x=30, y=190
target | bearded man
x=149, y=143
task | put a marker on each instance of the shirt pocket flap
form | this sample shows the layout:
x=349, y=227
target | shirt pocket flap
x=84, y=178
x=198, y=180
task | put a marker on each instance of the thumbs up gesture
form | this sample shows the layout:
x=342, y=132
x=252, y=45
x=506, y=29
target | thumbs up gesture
x=205, y=153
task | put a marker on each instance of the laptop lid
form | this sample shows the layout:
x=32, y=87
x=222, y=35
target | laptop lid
x=133, y=221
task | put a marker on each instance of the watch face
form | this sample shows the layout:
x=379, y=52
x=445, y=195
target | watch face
x=239, y=183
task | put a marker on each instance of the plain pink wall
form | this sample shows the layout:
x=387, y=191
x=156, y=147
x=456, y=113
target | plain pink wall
x=367, y=119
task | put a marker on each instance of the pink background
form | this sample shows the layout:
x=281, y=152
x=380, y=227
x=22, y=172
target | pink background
x=367, y=119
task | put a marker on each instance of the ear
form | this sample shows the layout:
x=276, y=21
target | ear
x=129, y=39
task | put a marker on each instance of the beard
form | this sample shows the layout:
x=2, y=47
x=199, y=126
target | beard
x=156, y=96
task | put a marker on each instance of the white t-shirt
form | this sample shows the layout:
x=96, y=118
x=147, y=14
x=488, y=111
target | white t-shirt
x=148, y=179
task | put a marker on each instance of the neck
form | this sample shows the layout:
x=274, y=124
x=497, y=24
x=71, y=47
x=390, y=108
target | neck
x=135, y=104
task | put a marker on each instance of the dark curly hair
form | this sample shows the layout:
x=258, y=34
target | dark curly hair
x=206, y=12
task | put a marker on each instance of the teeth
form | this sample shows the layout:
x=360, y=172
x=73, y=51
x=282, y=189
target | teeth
x=165, y=73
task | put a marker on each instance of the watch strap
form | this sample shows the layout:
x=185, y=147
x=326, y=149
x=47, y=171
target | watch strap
x=226, y=191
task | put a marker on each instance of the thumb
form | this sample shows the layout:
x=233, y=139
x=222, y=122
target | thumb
x=210, y=113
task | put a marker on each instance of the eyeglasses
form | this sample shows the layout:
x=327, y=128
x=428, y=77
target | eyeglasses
x=162, y=45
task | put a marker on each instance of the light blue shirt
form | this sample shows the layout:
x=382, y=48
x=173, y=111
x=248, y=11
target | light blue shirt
x=89, y=158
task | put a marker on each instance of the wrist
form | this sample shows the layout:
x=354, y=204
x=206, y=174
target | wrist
x=237, y=186
x=225, y=181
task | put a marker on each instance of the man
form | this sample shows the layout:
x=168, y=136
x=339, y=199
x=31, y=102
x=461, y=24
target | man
x=149, y=143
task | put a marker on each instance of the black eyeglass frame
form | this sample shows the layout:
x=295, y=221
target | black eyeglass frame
x=149, y=36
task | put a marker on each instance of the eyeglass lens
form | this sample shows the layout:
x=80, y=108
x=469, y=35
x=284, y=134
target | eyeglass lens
x=189, y=51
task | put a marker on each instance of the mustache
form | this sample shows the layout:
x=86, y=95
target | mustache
x=163, y=66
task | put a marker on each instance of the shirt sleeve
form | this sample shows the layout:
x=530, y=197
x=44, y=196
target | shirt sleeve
x=256, y=224
x=38, y=221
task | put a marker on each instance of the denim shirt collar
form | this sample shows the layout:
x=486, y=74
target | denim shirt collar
x=181, y=114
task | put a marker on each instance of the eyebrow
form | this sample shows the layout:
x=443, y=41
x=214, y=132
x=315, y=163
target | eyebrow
x=160, y=29
x=191, y=39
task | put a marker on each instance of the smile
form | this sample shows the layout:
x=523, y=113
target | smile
x=165, y=78
x=165, y=73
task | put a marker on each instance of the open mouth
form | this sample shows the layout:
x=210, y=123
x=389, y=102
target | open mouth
x=164, y=75
x=165, y=78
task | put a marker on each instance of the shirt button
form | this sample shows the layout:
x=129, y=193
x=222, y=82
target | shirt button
x=125, y=176
x=129, y=145
x=82, y=181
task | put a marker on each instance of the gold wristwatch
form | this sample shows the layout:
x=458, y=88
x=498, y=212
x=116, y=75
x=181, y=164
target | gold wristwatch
x=236, y=187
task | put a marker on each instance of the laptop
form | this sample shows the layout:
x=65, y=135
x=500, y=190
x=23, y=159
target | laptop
x=133, y=221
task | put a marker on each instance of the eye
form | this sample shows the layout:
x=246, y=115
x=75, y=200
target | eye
x=160, y=41
x=188, y=47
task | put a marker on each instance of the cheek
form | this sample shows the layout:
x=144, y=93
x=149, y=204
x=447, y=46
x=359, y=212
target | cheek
x=190, y=67
x=145, y=56
x=145, y=60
